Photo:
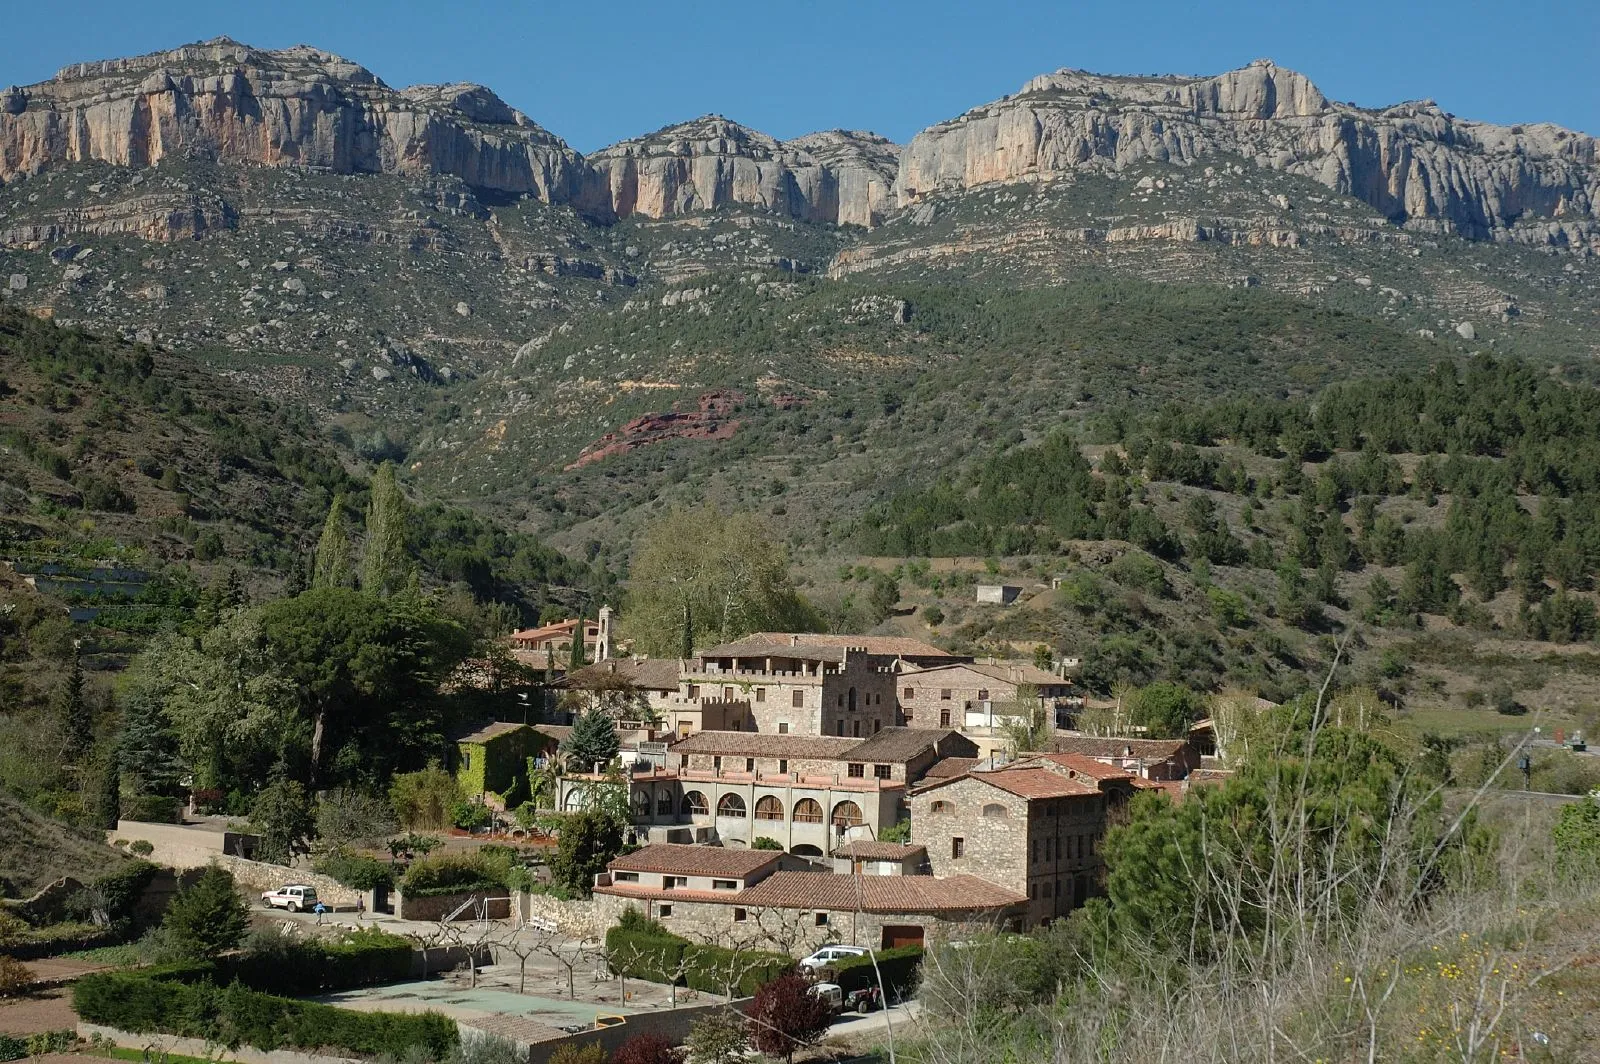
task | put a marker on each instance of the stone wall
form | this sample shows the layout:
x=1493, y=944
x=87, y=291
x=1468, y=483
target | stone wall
x=567, y=914
x=165, y=1044
x=183, y=847
x=671, y=1024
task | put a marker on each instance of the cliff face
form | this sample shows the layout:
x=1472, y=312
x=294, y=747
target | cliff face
x=836, y=177
x=299, y=106
x=1414, y=163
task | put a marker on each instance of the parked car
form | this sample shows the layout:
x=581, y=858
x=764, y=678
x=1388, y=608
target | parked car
x=832, y=955
x=863, y=1000
x=294, y=897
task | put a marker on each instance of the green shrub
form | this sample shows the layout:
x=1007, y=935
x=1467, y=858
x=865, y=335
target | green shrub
x=356, y=871
x=900, y=967
x=141, y=847
x=640, y=948
x=449, y=874
x=57, y=938
x=293, y=966
x=12, y=1047
x=708, y=968
x=238, y=1016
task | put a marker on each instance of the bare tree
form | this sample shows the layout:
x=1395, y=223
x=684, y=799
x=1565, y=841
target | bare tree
x=571, y=946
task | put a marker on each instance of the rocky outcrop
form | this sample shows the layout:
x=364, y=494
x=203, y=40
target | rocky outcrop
x=1417, y=165
x=835, y=177
x=712, y=419
x=299, y=106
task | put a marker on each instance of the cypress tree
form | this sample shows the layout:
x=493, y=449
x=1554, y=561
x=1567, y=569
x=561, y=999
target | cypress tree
x=384, y=569
x=686, y=648
x=74, y=712
x=576, y=660
x=332, y=565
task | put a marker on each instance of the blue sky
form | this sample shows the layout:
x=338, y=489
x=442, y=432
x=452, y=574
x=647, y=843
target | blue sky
x=595, y=73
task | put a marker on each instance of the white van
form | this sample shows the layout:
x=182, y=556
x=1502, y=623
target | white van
x=832, y=955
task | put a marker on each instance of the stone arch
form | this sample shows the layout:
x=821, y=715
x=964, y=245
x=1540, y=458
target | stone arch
x=768, y=807
x=805, y=849
x=807, y=811
x=995, y=810
x=942, y=807
x=731, y=804
x=695, y=804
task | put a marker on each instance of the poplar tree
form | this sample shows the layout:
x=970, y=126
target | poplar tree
x=384, y=569
x=332, y=565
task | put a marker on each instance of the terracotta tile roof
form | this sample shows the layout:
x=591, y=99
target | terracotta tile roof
x=680, y=860
x=1029, y=783
x=651, y=674
x=1084, y=765
x=1096, y=746
x=557, y=629
x=952, y=767
x=899, y=745
x=885, y=645
x=645, y=893
x=483, y=733
x=765, y=744
x=870, y=850
x=877, y=894
x=1005, y=672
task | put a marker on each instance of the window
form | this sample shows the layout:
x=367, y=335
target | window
x=783, y=764
x=724, y=884
x=694, y=691
x=1033, y=851
x=1033, y=890
x=749, y=764
x=761, y=694
x=466, y=759
x=739, y=916
x=944, y=694
x=983, y=694
x=731, y=805
x=674, y=882
x=641, y=804
x=625, y=877
x=783, y=727
x=727, y=694
x=941, y=807
x=1048, y=887
x=716, y=763
x=769, y=808
x=911, y=692
x=822, y=919
x=663, y=911
x=877, y=726
x=995, y=809
x=1048, y=848
x=882, y=772
x=852, y=706
x=807, y=811
x=958, y=848
x=695, y=804
x=798, y=700
x=944, y=718
x=838, y=700
x=855, y=771
x=839, y=727
x=664, y=804
x=846, y=815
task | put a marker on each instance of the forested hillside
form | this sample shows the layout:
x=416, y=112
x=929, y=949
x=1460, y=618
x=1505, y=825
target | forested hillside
x=1236, y=540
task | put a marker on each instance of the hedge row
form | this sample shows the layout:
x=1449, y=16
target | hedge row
x=899, y=967
x=235, y=1016
x=303, y=967
x=646, y=951
x=59, y=938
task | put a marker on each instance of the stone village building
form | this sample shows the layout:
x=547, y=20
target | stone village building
x=747, y=898
x=972, y=695
x=808, y=793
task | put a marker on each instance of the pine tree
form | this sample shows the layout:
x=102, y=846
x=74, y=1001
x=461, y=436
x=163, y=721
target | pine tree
x=147, y=752
x=593, y=741
x=72, y=709
x=332, y=565
x=384, y=567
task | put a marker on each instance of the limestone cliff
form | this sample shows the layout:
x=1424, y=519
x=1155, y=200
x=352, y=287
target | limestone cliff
x=835, y=177
x=298, y=106
x=1417, y=165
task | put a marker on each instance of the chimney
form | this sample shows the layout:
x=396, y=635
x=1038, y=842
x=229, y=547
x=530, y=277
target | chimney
x=794, y=640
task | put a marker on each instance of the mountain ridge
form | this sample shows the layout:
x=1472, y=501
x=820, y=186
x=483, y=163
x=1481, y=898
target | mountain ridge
x=1419, y=166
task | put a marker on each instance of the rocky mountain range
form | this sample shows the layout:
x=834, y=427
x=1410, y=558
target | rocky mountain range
x=1415, y=164
x=439, y=276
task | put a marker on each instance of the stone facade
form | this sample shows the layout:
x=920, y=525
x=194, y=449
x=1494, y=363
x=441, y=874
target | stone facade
x=961, y=696
x=1045, y=847
x=440, y=906
x=185, y=846
x=797, y=690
